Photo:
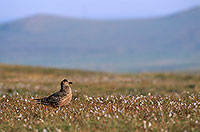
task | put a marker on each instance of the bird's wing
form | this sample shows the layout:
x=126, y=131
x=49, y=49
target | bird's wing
x=50, y=99
x=54, y=97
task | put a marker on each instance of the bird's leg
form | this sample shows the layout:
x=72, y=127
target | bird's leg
x=57, y=110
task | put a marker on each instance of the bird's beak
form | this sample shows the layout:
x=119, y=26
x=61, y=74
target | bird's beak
x=70, y=83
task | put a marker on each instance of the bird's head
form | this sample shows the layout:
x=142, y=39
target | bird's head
x=65, y=83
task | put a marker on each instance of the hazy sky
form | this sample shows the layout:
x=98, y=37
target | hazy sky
x=13, y=9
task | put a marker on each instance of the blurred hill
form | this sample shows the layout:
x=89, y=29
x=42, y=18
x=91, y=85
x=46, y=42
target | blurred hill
x=131, y=45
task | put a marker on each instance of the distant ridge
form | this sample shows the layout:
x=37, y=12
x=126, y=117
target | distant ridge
x=131, y=45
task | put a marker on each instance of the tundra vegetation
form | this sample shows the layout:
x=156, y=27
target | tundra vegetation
x=101, y=101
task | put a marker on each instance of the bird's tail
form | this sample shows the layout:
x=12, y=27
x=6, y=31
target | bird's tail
x=38, y=101
x=41, y=101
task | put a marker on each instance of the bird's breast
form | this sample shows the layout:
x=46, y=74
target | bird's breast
x=66, y=100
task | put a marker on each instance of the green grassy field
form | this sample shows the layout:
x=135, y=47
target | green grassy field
x=101, y=101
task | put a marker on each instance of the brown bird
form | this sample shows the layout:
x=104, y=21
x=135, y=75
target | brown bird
x=60, y=98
